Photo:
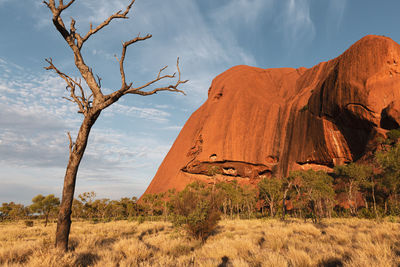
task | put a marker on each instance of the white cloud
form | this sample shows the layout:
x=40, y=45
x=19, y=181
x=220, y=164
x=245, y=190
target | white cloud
x=336, y=11
x=153, y=114
x=35, y=119
x=242, y=11
x=172, y=128
x=179, y=29
x=296, y=22
x=100, y=10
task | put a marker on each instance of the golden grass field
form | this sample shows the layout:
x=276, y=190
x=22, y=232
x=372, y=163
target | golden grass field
x=336, y=242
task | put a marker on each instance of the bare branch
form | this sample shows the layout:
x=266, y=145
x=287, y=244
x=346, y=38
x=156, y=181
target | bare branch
x=82, y=102
x=159, y=73
x=171, y=88
x=69, y=99
x=76, y=36
x=71, y=144
x=47, y=4
x=98, y=80
x=63, y=7
x=117, y=15
x=125, y=45
x=113, y=97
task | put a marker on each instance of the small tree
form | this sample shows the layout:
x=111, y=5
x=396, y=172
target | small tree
x=248, y=196
x=13, y=211
x=389, y=161
x=153, y=203
x=77, y=209
x=354, y=175
x=197, y=209
x=101, y=208
x=45, y=205
x=270, y=191
x=129, y=206
x=91, y=104
x=287, y=184
x=314, y=188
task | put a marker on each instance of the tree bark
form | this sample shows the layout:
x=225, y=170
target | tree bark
x=46, y=219
x=271, y=208
x=284, y=204
x=75, y=157
x=373, y=198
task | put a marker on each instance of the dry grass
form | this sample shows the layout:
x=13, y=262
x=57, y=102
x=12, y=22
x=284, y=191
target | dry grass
x=337, y=242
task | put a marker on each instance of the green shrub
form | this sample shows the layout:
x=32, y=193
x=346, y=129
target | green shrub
x=392, y=219
x=196, y=209
x=140, y=219
x=366, y=214
x=393, y=135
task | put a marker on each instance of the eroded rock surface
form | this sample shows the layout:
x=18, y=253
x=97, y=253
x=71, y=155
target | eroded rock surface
x=261, y=122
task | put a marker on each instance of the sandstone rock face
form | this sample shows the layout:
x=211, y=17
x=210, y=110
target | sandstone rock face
x=262, y=122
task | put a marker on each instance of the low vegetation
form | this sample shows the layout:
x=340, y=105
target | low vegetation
x=271, y=242
x=367, y=190
x=310, y=218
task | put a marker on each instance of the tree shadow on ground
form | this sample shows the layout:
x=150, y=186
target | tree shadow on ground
x=225, y=262
x=332, y=262
x=86, y=259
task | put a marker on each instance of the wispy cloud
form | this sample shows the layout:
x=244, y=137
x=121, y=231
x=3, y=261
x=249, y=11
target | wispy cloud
x=179, y=29
x=35, y=119
x=336, y=11
x=296, y=22
x=152, y=114
x=242, y=11
x=173, y=128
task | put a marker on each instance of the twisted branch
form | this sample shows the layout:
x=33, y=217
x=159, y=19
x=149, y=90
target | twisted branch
x=81, y=100
x=117, y=15
x=171, y=88
x=76, y=41
x=125, y=45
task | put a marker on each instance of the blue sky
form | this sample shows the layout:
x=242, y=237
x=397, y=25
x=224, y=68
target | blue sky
x=131, y=138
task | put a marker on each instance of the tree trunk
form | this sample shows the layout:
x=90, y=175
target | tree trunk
x=271, y=208
x=373, y=198
x=46, y=219
x=75, y=157
x=224, y=207
x=284, y=204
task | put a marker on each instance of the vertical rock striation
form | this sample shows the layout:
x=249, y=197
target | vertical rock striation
x=261, y=122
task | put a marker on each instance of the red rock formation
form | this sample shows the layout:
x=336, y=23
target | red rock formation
x=260, y=122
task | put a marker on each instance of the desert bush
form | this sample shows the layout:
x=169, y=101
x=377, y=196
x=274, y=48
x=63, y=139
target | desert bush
x=393, y=135
x=140, y=219
x=29, y=223
x=267, y=242
x=366, y=214
x=196, y=208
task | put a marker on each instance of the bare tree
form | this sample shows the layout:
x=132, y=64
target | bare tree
x=91, y=102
